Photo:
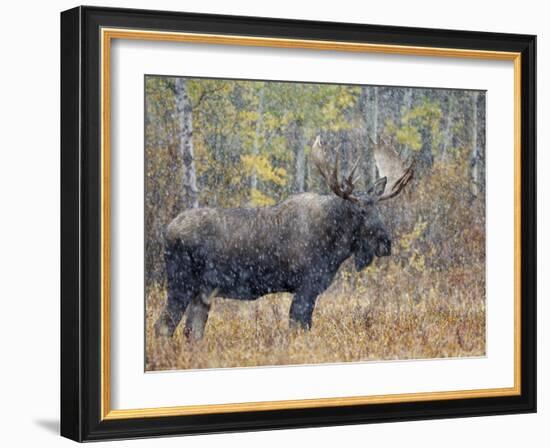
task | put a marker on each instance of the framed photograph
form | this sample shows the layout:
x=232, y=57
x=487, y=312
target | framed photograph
x=273, y=223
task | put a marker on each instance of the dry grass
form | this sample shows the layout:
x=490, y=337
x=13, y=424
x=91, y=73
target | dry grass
x=359, y=318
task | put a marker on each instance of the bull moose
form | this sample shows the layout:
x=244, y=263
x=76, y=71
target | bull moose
x=296, y=246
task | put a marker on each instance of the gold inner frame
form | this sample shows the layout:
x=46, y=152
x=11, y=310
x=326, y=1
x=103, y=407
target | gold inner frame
x=107, y=35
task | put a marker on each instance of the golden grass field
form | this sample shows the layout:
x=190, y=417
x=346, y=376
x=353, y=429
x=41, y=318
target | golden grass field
x=362, y=317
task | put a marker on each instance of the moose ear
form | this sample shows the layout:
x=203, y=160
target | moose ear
x=378, y=188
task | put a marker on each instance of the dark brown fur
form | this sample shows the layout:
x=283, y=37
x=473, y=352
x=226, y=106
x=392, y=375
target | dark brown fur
x=296, y=247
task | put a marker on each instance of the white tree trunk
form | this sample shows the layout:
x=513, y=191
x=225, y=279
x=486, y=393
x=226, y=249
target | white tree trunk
x=258, y=130
x=370, y=108
x=475, y=149
x=408, y=100
x=477, y=157
x=447, y=131
x=298, y=141
x=184, y=113
x=300, y=170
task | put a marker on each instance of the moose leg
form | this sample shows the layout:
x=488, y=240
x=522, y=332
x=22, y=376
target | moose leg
x=172, y=313
x=196, y=318
x=180, y=289
x=301, y=309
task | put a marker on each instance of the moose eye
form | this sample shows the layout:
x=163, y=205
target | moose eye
x=365, y=211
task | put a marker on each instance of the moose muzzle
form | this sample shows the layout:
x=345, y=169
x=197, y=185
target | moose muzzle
x=383, y=248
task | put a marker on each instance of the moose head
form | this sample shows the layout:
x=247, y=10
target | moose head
x=371, y=237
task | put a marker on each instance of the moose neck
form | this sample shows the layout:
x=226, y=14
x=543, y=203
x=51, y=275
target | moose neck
x=345, y=219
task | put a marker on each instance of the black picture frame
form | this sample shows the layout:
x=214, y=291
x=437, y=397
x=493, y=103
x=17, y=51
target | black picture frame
x=81, y=224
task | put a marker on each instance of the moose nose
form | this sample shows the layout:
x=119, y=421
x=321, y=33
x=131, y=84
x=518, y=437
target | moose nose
x=384, y=247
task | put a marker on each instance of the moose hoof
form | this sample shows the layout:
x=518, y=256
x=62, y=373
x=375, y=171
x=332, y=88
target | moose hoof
x=163, y=330
x=187, y=333
x=299, y=325
x=193, y=334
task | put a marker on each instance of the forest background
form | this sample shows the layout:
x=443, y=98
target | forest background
x=239, y=143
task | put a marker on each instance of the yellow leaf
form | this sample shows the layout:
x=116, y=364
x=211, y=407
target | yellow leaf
x=259, y=199
x=260, y=165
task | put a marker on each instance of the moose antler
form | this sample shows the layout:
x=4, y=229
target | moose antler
x=398, y=185
x=391, y=167
x=343, y=189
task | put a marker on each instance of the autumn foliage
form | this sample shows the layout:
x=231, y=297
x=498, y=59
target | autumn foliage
x=252, y=143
